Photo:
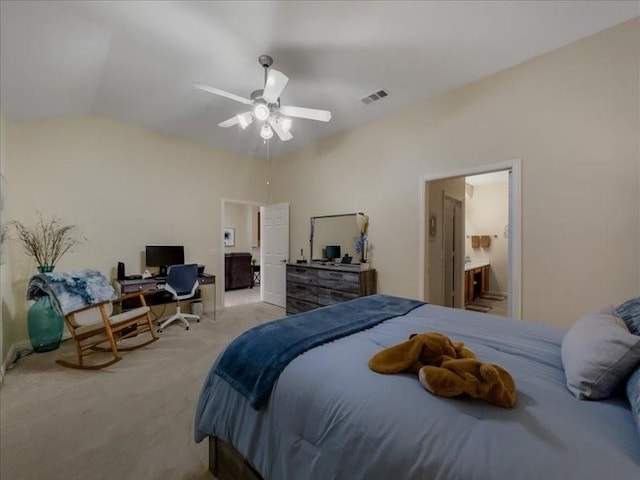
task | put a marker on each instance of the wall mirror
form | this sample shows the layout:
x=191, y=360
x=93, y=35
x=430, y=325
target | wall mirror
x=334, y=231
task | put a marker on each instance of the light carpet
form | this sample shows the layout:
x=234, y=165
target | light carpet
x=133, y=420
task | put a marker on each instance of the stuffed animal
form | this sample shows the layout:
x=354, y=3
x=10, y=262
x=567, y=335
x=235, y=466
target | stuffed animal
x=420, y=350
x=486, y=381
x=447, y=369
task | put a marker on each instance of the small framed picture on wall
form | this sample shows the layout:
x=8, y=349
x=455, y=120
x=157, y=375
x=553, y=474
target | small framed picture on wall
x=229, y=237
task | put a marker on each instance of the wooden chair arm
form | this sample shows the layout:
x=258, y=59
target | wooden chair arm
x=115, y=300
x=88, y=307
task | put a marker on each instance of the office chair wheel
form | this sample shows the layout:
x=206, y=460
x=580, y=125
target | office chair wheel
x=198, y=320
x=159, y=330
x=186, y=328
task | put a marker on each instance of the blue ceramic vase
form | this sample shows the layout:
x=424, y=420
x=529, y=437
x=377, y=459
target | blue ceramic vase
x=43, y=323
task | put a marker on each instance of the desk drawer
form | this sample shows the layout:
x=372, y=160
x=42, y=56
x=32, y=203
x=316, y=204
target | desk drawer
x=308, y=276
x=329, y=297
x=138, y=287
x=308, y=293
x=343, y=281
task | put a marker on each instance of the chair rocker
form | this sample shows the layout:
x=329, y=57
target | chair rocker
x=94, y=326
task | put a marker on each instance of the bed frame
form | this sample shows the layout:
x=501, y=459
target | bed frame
x=226, y=463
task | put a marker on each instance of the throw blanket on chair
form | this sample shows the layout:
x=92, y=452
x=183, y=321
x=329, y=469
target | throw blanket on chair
x=252, y=363
x=71, y=291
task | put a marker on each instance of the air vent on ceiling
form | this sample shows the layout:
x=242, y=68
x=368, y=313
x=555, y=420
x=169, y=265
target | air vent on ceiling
x=375, y=96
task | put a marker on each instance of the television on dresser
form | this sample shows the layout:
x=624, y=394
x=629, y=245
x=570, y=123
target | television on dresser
x=163, y=256
x=332, y=251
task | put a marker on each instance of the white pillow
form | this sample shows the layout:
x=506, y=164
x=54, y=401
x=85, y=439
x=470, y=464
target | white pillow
x=598, y=352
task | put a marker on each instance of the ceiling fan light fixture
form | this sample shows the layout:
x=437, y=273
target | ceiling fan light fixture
x=286, y=123
x=261, y=112
x=266, y=132
x=245, y=119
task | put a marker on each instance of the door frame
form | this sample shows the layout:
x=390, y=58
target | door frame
x=223, y=204
x=515, y=230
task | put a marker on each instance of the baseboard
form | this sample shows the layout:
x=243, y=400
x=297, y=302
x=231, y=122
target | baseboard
x=13, y=352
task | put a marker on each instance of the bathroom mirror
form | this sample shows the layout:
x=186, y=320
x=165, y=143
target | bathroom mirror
x=331, y=231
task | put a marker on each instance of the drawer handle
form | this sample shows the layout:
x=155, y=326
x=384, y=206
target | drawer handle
x=300, y=270
x=334, y=274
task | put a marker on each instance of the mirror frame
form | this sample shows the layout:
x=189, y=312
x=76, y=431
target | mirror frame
x=313, y=227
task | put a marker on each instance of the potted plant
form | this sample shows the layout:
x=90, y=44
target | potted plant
x=46, y=242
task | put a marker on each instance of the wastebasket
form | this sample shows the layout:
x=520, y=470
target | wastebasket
x=196, y=308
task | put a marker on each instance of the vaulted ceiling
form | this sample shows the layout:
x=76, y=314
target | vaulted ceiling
x=136, y=61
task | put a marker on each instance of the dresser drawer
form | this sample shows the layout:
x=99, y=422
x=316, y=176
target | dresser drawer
x=329, y=297
x=298, y=306
x=343, y=281
x=302, y=292
x=308, y=276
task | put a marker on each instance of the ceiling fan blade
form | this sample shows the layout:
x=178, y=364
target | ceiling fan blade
x=244, y=119
x=222, y=93
x=276, y=81
x=230, y=122
x=309, y=113
x=276, y=124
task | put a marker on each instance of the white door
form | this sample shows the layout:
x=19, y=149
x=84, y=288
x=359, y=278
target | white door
x=274, y=228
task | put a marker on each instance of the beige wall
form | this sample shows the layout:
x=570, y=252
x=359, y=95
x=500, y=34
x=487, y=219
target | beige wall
x=572, y=117
x=487, y=213
x=238, y=216
x=124, y=187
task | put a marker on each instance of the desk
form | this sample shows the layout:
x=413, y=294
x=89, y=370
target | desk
x=156, y=295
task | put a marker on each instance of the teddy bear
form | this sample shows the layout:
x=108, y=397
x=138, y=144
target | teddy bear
x=447, y=369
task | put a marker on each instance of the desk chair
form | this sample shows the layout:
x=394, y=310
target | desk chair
x=182, y=283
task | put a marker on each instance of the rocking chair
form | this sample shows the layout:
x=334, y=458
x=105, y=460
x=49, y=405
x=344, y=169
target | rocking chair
x=95, y=325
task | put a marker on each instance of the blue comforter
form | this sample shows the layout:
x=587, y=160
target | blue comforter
x=329, y=416
x=254, y=360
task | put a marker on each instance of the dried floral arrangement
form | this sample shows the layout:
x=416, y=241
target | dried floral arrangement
x=48, y=240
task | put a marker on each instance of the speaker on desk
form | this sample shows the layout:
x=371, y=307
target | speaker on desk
x=120, y=271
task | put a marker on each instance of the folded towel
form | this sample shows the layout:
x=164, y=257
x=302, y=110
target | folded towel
x=71, y=291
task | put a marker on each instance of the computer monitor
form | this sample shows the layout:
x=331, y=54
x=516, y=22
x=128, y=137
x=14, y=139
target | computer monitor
x=332, y=251
x=164, y=256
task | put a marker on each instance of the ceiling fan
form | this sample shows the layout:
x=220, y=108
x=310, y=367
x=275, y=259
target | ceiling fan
x=266, y=106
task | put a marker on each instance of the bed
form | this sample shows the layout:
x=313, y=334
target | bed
x=329, y=416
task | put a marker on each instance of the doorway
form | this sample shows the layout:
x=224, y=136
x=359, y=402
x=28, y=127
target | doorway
x=241, y=247
x=445, y=281
x=486, y=239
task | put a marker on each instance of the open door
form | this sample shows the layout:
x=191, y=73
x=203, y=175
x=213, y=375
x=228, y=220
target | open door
x=453, y=235
x=274, y=235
